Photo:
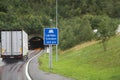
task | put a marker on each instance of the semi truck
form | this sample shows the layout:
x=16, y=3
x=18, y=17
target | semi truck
x=14, y=44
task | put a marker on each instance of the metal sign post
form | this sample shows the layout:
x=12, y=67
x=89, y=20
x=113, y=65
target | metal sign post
x=50, y=57
x=56, y=27
x=57, y=53
x=50, y=38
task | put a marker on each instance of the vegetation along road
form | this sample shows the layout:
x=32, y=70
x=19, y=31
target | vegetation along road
x=89, y=40
x=88, y=61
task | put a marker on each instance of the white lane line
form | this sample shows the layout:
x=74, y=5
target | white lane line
x=27, y=64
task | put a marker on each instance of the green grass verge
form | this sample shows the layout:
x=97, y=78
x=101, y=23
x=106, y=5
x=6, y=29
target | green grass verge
x=89, y=63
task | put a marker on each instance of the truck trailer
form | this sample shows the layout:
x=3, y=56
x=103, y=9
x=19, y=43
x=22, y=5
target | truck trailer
x=14, y=44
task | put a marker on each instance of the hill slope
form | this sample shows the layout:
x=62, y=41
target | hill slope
x=88, y=63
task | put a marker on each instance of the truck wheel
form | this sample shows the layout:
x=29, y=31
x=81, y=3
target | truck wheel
x=25, y=58
x=3, y=59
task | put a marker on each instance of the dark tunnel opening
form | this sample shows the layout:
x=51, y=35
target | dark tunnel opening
x=36, y=42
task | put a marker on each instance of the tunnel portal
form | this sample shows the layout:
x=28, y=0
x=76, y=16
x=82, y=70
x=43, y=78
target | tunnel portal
x=36, y=42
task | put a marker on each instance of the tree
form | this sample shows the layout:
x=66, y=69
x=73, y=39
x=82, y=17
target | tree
x=106, y=29
x=74, y=31
x=86, y=32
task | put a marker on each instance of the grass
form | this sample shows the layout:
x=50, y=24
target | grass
x=87, y=63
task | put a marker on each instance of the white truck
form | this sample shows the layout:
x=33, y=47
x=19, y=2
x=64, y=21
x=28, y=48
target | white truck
x=14, y=44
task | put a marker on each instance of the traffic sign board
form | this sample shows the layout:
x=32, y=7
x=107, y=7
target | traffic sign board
x=50, y=36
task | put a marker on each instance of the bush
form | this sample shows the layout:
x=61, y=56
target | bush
x=74, y=31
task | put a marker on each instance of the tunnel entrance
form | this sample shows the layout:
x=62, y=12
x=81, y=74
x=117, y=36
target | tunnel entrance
x=36, y=42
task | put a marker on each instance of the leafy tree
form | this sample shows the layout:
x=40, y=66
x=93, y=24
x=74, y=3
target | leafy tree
x=85, y=30
x=74, y=31
x=106, y=29
x=3, y=7
x=77, y=18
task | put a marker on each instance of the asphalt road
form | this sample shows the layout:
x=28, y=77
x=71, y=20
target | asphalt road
x=38, y=74
x=14, y=69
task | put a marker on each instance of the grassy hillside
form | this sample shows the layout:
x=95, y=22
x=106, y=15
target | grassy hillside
x=88, y=62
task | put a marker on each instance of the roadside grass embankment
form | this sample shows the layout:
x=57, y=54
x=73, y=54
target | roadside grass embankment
x=87, y=63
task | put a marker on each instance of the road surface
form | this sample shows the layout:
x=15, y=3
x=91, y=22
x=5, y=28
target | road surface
x=38, y=74
x=15, y=70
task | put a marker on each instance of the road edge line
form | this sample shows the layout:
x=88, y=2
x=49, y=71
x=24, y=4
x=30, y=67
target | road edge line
x=27, y=64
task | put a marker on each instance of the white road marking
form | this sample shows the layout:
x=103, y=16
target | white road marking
x=27, y=64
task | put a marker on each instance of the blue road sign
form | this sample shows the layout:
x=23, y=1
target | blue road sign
x=50, y=36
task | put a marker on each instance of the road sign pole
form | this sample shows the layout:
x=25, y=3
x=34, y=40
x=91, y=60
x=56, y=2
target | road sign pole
x=56, y=52
x=51, y=38
x=50, y=57
x=56, y=27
